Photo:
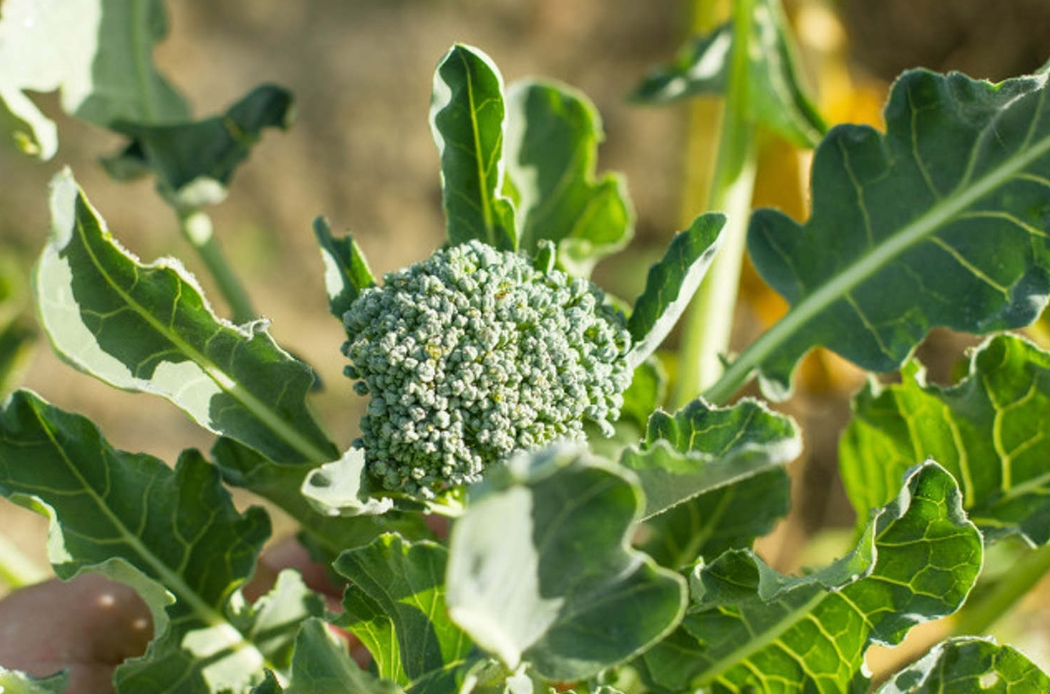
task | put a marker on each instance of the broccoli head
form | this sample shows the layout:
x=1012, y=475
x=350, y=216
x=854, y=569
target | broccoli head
x=473, y=354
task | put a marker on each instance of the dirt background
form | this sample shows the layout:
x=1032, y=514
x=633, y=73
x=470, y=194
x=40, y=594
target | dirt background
x=362, y=154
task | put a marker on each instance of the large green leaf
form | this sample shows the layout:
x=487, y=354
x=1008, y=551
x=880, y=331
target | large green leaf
x=396, y=605
x=751, y=629
x=551, y=150
x=989, y=431
x=941, y=221
x=322, y=666
x=671, y=284
x=346, y=272
x=97, y=52
x=702, y=448
x=775, y=95
x=148, y=328
x=969, y=666
x=174, y=535
x=467, y=119
x=194, y=160
x=540, y=572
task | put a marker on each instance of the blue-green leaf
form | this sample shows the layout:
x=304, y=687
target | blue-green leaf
x=551, y=151
x=97, y=52
x=540, y=571
x=671, y=284
x=346, y=272
x=989, y=431
x=148, y=328
x=969, y=665
x=467, y=119
x=323, y=666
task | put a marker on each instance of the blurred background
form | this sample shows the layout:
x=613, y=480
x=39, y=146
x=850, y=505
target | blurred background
x=361, y=153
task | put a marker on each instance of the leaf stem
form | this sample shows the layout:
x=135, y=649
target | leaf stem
x=978, y=617
x=196, y=227
x=16, y=569
x=710, y=321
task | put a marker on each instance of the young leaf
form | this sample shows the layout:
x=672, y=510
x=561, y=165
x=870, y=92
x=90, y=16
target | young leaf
x=98, y=52
x=172, y=535
x=322, y=666
x=671, y=284
x=941, y=221
x=17, y=682
x=346, y=272
x=775, y=96
x=751, y=629
x=148, y=328
x=969, y=664
x=989, y=431
x=340, y=488
x=467, y=119
x=540, y=571
x=396, y=605
x=702, y=448
x=194, y=160
x=551, y=149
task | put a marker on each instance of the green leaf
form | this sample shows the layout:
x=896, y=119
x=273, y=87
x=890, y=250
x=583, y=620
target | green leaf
x=540, y=570
x=969, y=665
x=340, y=488
x=97, y=52
x=346, y=272
x=194, y=160
x=323, y=666
x=553, y=133
x=467, y=119
x=703, y=448
x=173, y=535
x=942, y=221
x=396, y=605
x=14, y=682
x=989, y=431
x=671, y=284
x=148, y=328
x=647, y=390
x=751, y=629
x=775, y=95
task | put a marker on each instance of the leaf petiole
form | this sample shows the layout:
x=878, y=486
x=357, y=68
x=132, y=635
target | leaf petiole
x=196, y=227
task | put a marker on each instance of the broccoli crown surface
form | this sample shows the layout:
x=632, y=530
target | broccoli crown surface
x=473, y=354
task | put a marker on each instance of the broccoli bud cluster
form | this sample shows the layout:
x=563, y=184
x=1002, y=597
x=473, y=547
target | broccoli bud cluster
x=473, y=354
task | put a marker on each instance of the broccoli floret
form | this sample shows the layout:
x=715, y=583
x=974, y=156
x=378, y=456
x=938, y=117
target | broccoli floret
x=473, y=354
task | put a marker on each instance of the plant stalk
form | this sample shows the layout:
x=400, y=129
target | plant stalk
x=16, y=569
x=710, y=317
x=196, y=227
x=977, y=618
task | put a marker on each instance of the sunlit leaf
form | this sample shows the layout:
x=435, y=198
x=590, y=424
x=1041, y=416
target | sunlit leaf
x=323, y=666
x=148, y=328
x=346, y=272
x=969, y=666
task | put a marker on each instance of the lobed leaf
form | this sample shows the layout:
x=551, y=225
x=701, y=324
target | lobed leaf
x=540, y=571
x=751, y=629
x=775, y=95
x=194, y=160
x=702, y=448
x=173, y=535
x=323, y=666
x=467, y=119
x=148, y=328
x=551, y=149
x=969, y=665
x=97, y=52
x=989, y=431
x=346, y=272
x=941, y=221
x=395, y=604
x=671, y=284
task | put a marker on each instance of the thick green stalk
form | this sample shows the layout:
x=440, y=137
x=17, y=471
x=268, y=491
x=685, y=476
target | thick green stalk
x=710, y=321
x=196, y=227
x=978, y=617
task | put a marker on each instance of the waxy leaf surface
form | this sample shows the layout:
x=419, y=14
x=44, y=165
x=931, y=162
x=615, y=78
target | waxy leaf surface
x=551, y=152
x=148, y=328
x=173, y=535
x=540, y=570
x=97, y=52
x=989, y=431
x=776, y=97
x=703, y=448
x=467, y=119
x=969, y=665
x=346, y=272
x=749, y=628
x=671, y=284
x=942, y=221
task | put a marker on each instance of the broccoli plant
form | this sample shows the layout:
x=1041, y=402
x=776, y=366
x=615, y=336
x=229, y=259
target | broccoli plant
x=602, y=539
